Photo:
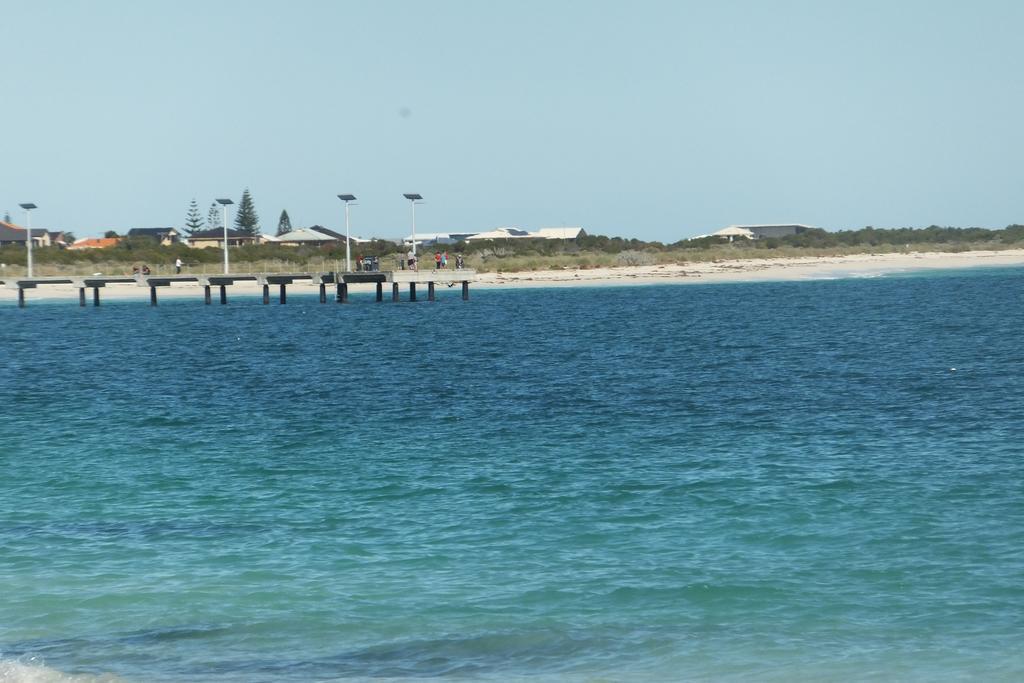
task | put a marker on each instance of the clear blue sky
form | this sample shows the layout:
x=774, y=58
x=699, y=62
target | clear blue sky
x=656, y=120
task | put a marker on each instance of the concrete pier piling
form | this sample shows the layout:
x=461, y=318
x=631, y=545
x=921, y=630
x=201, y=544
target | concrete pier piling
x=380, y=291
x=152, y=295
x=223, y=295
x=412, y=291
x=284, y=294
x=465, y=290
x=81, y=296
x=394, y=292
x=430, y=292
x=323, y=293
x=95, y=296
x=206, y=291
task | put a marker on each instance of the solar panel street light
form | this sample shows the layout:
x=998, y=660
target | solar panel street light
x=413, y=198
x=348, y=250
x=28, y=206
x=225, y=203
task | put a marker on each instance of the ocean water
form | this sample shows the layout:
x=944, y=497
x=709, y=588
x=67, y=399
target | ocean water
x=770, y=482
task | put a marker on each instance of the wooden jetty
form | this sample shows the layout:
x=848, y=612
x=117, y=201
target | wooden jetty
x=339, y=281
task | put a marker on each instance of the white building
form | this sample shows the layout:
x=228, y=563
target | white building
x=559, y=233
x=757, y=232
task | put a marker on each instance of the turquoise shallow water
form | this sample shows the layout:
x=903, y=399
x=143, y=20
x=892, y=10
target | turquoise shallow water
x=771, y=481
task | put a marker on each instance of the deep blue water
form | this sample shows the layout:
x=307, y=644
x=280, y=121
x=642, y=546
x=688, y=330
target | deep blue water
x=772, y=481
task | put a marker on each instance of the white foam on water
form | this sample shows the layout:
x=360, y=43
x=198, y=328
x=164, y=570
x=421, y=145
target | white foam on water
x=34, y=671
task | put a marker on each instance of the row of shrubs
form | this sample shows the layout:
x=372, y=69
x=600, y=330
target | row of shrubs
x=588, y=251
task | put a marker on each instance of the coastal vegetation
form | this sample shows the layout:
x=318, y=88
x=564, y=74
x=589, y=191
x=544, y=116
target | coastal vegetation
x=589, y=251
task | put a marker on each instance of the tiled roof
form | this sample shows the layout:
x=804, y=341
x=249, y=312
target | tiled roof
x=9, y=232
x=95, y=243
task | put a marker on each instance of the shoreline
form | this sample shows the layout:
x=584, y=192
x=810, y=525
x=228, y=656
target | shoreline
x=740, y=270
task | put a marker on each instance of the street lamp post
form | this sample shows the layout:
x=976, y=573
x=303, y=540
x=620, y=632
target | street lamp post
x=28, y=232
x=348, y=250
x=225, y=203
x=413, y=198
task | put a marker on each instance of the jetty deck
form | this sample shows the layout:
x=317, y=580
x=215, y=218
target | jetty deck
x=340, y=281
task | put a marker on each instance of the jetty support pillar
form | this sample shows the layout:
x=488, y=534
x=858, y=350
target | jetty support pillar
x=21, y=297
x=465, y=290
x=266, y=294
x=412, y=291
x=223, y=294
x=284, y=293
x=152, y=295
x=430, y=291
x=206, y=294
x=380, y=291
x=394, y=292
x=343, y=292
x=81, y=296
x=323, y=293
x=95, y=296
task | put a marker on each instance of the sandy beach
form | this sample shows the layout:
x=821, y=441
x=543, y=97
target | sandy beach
x=748, y=270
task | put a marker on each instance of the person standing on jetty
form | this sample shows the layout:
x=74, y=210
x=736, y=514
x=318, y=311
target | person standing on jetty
x=437, y=260
x=411, y=259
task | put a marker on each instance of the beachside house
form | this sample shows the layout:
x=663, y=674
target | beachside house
x=164, y=236
x=431, y=238
x=759, y=232
x=207, y=239
x=59, y=238
x=500, y=234
x=14, y=234
x=559, y=233
x=315, y=236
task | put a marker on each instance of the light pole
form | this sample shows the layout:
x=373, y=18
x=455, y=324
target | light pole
x=348, y=250
x=413, y=198
x=224, y=204
x=28, y=232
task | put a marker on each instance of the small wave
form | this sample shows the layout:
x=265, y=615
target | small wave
x=34, y=671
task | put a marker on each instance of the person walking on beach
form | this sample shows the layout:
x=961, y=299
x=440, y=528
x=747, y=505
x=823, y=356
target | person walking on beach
x=177, y=266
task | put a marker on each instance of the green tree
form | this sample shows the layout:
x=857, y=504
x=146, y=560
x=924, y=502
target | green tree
x=213, y=217
x=110, y=233
x=246, y=220
x=193, y=220
x=284, y=224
